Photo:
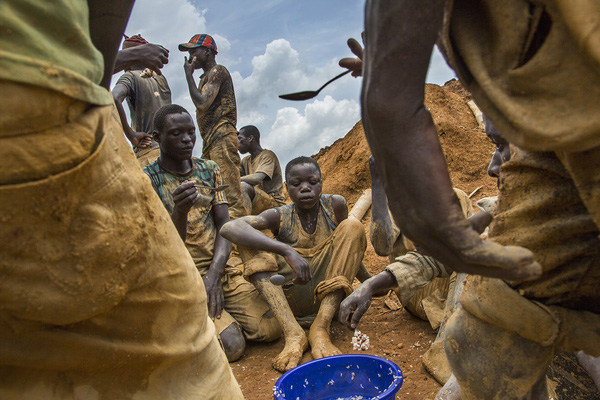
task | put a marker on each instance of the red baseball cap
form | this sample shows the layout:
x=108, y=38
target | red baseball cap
x=199, y=40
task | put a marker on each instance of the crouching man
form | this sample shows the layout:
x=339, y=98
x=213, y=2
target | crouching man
x=318, y=251
x=191, y=190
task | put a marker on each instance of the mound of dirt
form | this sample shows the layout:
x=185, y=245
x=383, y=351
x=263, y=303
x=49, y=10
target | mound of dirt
x=344, y=164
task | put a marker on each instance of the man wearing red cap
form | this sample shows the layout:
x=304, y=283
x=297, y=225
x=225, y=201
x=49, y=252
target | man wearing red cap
x=145, y=91
x=216, y=113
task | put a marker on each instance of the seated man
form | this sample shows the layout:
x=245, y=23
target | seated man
x=145, y=92
x=260, y=173
x=317, y=249
x=422, y=294
x=191, y=190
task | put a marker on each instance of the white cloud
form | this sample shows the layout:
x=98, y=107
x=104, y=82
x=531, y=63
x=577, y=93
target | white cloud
x=322, y=122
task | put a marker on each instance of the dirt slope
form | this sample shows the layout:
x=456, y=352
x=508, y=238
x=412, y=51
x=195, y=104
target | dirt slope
x=467, y=149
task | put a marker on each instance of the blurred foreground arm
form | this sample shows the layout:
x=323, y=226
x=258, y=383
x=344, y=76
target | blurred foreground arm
x=399, y=39
x=108, y=19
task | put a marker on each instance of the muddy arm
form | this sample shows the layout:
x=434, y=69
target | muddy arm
x=399, y=39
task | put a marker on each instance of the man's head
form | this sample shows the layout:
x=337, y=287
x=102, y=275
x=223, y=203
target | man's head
x=502, y=152
x=175, y=132
x=133, y=41
x=202, y=46
x=303, y=181
x=249, y=137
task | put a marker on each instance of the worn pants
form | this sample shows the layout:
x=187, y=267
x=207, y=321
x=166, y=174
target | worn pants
x=244, y=305
x=423, y=285
x=501, y=341
x=333, y=265
x=99, y=298
x=224, y=152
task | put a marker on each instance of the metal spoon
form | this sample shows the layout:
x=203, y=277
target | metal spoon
x=309, y=94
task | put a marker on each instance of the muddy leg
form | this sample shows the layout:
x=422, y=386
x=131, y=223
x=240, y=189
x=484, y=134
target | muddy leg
x=318, y=336
x=296, y=342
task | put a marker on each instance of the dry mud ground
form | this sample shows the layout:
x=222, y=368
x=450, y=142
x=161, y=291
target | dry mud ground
x=396, y=335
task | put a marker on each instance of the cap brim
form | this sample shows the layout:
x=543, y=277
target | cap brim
x=187, y=46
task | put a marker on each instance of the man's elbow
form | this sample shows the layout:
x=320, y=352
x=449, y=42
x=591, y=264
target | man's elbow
x=227, y=230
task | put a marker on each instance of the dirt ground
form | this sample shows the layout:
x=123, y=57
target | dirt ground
x=396, y=335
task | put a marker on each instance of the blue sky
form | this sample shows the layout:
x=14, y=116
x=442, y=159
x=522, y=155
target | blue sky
x=270, y=48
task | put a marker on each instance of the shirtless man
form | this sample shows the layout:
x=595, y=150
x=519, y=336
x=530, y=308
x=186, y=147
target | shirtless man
x=216, y=114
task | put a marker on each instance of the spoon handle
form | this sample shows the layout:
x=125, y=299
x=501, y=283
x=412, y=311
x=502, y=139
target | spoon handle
x=333, y=79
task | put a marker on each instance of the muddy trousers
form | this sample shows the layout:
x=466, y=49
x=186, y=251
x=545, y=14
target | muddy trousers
x=482, y=357
x=99, y=298
x=224, y=152
x=333, y=264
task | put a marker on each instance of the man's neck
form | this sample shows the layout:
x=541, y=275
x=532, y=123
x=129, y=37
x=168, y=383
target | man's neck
x=209, y=65
x=255, y=151
x=178, y=167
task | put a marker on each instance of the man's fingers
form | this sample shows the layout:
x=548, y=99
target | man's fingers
x=355, y=48
x=360, y=310
x=504, y=262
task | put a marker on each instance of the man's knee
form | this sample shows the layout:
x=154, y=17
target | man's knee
x=248, y=190
x=233, y=342
x=353, y=230
x=269, y=328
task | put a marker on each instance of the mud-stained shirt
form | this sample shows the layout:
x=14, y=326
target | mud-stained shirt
x=144, y=97
x=268, y=163
x=201, y=228
x=533, y=67
x=221, y=117
x=290, y=227
x=31, y=52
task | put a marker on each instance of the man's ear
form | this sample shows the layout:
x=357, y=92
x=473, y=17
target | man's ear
x=156, y=136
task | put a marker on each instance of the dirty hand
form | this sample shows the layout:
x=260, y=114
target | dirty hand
x=353, y=64
x=214, y=294
x=185, y=196
x=153, y=56
x=140, y=139
x=355, y=305
x=299, y=265
x=188, y=65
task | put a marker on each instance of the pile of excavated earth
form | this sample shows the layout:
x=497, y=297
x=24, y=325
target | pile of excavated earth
x=393, y=332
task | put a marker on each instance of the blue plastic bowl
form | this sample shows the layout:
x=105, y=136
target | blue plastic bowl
x=348, y=377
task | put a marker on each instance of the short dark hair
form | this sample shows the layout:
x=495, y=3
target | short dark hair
x=251, y=130
x=299, y=161
x=161, y=115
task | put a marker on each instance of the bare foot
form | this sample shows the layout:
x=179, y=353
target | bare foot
x=295, y=346
x=320, y=343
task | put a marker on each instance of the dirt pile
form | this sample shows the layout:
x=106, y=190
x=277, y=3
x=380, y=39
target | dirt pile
x=467, y=149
